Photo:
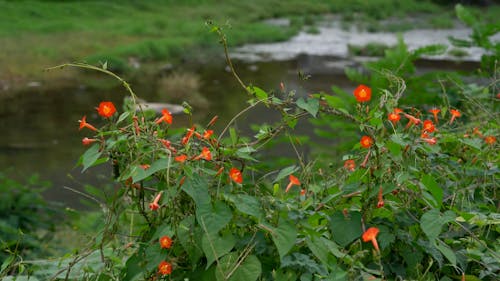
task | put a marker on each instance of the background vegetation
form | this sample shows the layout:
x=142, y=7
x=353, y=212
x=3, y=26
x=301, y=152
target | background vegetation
x=38, y=34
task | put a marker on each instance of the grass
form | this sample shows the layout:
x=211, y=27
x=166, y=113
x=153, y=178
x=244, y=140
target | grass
x=373, y=49
x=38, y=34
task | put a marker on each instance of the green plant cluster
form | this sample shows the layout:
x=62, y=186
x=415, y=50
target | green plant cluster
x=415, y=196
x=26, y=219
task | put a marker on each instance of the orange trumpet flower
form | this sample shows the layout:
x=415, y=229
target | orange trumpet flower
x=371, y=235
x=84, y=124
x=154, y=205
x=166, y=117
x=454, y=114
x=293, y=181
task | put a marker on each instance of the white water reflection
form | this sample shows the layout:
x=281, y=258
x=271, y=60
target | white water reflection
x=333, y=41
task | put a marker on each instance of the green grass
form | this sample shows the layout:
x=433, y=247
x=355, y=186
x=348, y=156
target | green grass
x=39, y=34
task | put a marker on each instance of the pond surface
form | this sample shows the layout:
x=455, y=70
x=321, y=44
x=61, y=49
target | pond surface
x=40, y=128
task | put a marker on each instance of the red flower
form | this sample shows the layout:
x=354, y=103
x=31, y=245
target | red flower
x=165, y=242
x=490, y=140
x=207, y=134
x=212, y=122
x=293, y=181
x=435, y=112
x=188, y=136
x=164, y=268
x=454, y=114
x=106, y=109
x=154, y=205
x=412, y=120
x=181, y=158
x=428, y=126
x=366, y=141
x=477, y=132
x=362, y=93
x=166, y=143
x=136, y=125
x=205, y=154
x=86, y=141
x=350, y=165
x=431, y=141
x=394, y=118
x=181, y=182
x=219, y=171
x=236, y=175
x=380, y=198
x=371, y=235
x=397, y=110
x=84, y=124
x=166, y=117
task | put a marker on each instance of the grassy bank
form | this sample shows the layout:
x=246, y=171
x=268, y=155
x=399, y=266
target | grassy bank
x=39, y=34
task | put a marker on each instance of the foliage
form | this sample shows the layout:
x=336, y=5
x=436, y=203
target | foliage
x=415, y=199
x=148, y=31
x=26, y=219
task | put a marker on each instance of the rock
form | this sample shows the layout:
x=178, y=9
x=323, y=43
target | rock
x=159, y=106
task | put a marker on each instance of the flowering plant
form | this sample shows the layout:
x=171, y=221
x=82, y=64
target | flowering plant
x=193, y=191
x=193, y=204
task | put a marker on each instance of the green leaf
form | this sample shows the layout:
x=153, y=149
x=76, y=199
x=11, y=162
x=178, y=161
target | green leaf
x=430, y=50
x=217, y=246
x=397, y=139
x=90, y=156
x=318, y=248
x=431, y=185
x=432, y=222
x=290, y=121
x=474, y=143
x=286, y=172
x=258, y=93
x=162, y=230
x=284, y=275
x=322, y=248
x=447, y=252
x=154, y=256
x=465, y=16
x=457, y=42
x=188, y=234
x=283, y=236
x=245, y=152
x=122, y=117
x=334, y=101
x=197, y=188
x=332, y=247
x=233, y=135
x=230, y=268
x=139, y=173
x=309, y=105
x=345, y=229
x=213, y=219
x=394, y=148
x=246, y=204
